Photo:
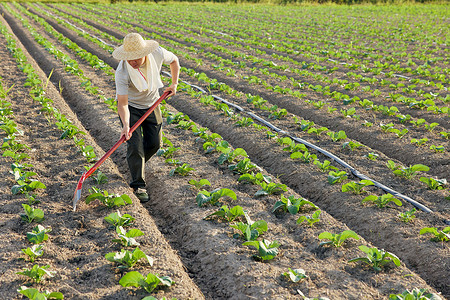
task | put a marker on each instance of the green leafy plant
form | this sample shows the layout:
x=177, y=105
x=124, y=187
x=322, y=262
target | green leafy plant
x=295, y=275
x=306, y=156
x=229, y=156
x=439, y=235
x=292, y=204
x=415, y=294
x=314, y=218
x=109, y=200
x=37, y=273
x=434, y=184
x=117, y=219
x=255, y=178
x=411, y=171
x=382, y=201
x=243, y=166
x=148, y=283
x=182, y=170
x=337, y=239
x=213, y=197
x=251, y=230
x=336, y=136
x=325, y=166
x=33, y=294
x=356, y=187
x=26, y=187
x=38, y=234
x=335, y=177
x=266, y=250
x=371, y=156
x=200, y=183
x=127, y=238
x=407, y=216
x=32, y=214
x=229, y=214
x=34, y=252
x=100, y=178
x=127, y=259
x=437, y=149
x=351, y=145
x=270, y=188
x=377, y=258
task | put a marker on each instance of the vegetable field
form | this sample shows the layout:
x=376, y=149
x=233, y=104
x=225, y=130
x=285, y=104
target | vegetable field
x=305, y=155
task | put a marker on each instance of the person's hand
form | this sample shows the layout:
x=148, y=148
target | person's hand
x=126, y=132
x=172, y=89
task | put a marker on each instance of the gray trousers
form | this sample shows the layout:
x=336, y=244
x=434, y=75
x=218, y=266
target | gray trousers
x=143, y=144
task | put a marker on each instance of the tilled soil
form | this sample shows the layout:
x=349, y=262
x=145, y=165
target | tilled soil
x=202, y=256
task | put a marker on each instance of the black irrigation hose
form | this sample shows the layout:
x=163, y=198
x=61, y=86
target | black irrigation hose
x=324, y=152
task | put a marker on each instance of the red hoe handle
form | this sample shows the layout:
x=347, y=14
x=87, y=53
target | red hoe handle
x=77, y=194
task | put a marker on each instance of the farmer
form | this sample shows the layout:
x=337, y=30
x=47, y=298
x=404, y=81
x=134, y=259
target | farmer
x=137, y=83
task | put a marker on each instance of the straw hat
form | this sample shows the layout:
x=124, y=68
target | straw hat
x=134, y=47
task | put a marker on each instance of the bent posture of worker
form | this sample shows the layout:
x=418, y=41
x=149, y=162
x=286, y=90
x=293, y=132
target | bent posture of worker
x=137, y=87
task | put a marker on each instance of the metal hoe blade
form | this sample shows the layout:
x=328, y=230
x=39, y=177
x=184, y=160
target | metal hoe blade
x=77, y=193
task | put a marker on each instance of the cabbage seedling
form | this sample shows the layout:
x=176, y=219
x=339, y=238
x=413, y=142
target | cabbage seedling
x=292, y=204
x=34, y=294
x=148, y=283
x=110, y=200
x=229, y=214
x=337, y=239
x=415, y=294
x=310, y=219
x=36, y=273
x=266, y=250
x=229, y=156
x=335, y=177
x=213, y=197
x=38, y=234
x=306, y=157
x=32, y=214
x=434, y=184
x=116, y=219
x=411, y=171
x=250, y=231
x=243, y=166
x=439, y=236
x=356, y=187
x=126, y=238
x=183, y=170
x=23, y=187
x=270, y=188
x=407, y=216
x=200, y=183
x=127, y=259
x=326, y=165
x=376, y=258
x=255, y=178
x=34, y=252
x=382, y=201
x=295, y=275
x=336, y=136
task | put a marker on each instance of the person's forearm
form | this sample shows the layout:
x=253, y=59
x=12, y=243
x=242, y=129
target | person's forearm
x=122, y=109
x=175, y=71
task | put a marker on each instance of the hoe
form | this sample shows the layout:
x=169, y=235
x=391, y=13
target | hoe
x=77, y=194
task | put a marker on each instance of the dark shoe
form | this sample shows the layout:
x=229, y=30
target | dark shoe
x=142, y=195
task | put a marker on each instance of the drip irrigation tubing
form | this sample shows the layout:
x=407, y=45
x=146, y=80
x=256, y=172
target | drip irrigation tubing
x=310, y=145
